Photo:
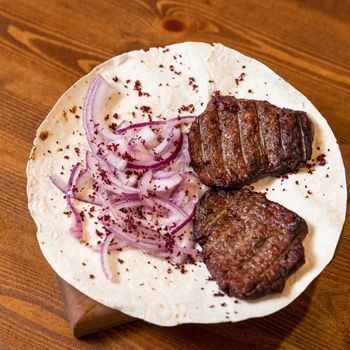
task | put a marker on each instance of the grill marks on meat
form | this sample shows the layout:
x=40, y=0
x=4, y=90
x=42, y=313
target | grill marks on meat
x=235, y=142
x=250, y=245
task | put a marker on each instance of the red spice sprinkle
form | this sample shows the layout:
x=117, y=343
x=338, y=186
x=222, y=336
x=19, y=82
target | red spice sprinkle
x=211, y=306
x=146, y=109
x=128, y=81
x=318, y=148
x=137, y=87
x=161, y=66
x=82, y=215
x=66, y=157
x=99, y=233
x=327, y=175
x=219, y=294
x=223, y=304
x=183, y=270
x=113, y=126
x=192, y=83
x=321, y=159
x=121, y=261
x=240, y=78
x=309, y=192
x=297, y=182
x=84, y=264
x=91, y=276
x=115, y=78
x=189, y=108
x=116, y=115
x=172, y=69
x=77, y=151
x=211, y=81
x=250, y=91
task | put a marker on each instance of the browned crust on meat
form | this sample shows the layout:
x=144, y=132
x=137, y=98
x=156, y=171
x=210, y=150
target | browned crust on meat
x=235, y=142
x=251, y=245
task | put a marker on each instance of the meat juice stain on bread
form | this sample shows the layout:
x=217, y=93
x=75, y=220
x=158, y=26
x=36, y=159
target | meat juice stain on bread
x=235, y=142
x=251, y=245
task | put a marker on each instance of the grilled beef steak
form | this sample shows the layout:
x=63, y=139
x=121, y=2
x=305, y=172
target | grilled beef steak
x=250, y=244
x=235, y=142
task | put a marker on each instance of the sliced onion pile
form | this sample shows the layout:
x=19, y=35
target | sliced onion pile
x=138, y=175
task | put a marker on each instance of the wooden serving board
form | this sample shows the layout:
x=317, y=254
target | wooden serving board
x=86, y=316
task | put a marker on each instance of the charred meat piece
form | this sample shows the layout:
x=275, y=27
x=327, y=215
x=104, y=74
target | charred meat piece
x=250, y=244
x=235, y=142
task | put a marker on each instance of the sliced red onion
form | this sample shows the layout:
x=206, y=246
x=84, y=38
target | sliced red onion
x=178, y=120
x=76, y=229
x=105, y=178
x=172, y=135
x=144, y=184
x=161, y=174
x=161, y=185
x=138, y=175
x=183, y=224
x=112, y=246
x=160, y=164
x=178, y=196
x=148, y=136
x=173, y=208
x=104, y=255
x=59, y=183
x=135, y=242
x=116, y=162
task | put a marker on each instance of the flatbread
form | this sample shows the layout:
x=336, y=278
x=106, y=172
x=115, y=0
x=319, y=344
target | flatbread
x=143, y=286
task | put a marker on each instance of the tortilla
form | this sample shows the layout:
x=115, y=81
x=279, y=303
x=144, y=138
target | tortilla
x=143, y=286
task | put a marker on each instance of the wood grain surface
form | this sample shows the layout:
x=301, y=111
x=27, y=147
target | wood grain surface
x=85, y=315
x=45, y=46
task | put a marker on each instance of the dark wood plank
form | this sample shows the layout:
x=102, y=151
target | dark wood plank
x=46, y=46
x=85, y=315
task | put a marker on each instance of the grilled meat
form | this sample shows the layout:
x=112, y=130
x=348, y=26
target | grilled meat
x=251, y=245
x=235, y=142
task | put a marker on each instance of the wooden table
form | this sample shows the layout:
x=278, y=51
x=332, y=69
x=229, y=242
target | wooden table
x=45, y=46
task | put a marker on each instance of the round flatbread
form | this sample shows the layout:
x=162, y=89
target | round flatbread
x=180, y=78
